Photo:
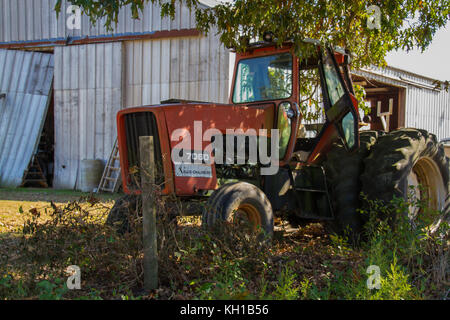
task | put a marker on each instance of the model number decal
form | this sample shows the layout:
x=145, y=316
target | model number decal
x=198, y=156
x=190, y=156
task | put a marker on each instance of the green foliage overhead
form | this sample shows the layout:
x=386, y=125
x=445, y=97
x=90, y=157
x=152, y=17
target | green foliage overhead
x=405, y=24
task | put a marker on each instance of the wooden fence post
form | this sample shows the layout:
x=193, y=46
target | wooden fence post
x=148, y=172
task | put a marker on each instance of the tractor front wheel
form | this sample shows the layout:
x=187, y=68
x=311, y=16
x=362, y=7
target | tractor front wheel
x=240, y=203
x=124, y=209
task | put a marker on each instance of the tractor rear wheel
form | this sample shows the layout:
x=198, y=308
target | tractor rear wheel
x=400, y=162
x=240, y=203
x=343, y=171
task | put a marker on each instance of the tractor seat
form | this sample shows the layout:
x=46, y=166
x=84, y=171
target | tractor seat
x=305, y=144
x=303, y=148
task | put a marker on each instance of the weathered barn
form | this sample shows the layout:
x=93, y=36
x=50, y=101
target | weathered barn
x=96, y=73
x=60, y=88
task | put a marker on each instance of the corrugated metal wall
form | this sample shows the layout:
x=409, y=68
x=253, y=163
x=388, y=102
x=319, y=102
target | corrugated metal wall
x=425, y=108
x=25, y=80
x=88, y=94
x=193, y=68
x=93, y=82
x=428, y=110
x=26, y=20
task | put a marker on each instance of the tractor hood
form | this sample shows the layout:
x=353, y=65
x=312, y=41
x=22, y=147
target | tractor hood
x=185, y=128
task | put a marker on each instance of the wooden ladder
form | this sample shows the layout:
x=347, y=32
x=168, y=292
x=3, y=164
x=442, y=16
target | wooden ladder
x=33, y=174
x=111, y=177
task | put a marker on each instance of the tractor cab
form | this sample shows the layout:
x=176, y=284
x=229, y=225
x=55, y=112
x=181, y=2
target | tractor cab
x=315, y=107
x=314, y=97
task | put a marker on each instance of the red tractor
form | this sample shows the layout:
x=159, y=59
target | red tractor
x=319, y=165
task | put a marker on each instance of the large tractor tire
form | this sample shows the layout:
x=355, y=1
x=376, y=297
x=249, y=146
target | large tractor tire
x=239, y=202
x=403, y=159
x=124, y=209
x=343, y=171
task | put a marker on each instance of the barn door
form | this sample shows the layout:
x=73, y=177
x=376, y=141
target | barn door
x=25, y=86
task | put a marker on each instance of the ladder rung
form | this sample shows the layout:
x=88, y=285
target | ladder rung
x=114, y=168
x=107, y=190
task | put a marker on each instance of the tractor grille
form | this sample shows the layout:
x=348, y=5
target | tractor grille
x=137, y=125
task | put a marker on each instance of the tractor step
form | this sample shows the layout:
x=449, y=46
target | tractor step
x=311, y=192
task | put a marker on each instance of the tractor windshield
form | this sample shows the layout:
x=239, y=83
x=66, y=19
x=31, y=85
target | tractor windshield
x=263, y=78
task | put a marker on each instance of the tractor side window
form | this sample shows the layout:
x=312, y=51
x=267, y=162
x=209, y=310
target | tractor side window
x=348, y=126
x=263, y=78
x=341, y=109
x=335, y=88
x=311, y=102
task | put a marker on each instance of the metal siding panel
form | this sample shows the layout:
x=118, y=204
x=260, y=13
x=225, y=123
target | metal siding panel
x=34, y=121
x=45, y=21
x=193, y=72
x=91, y=124
x=99, y=121
x=165, y=69
x=29, y=20
x=174, y=69
x=6, y=21
x=13, y=140
x=83, y=108
x=58, y=104
x=429, y=110
x=85, y=114
x=2, y=23
x=213, y=70
x=156, y=61
x=203, y=71
x=13, y=11
x=26, y=20
x=65, y=68
x=58, y=56
x=21, y=25
x=182, y=68
x=25, y=80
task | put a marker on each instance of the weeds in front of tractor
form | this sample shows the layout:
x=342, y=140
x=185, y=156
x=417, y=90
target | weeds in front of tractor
x=413, y=257
x=224, y=263
x=412, y=260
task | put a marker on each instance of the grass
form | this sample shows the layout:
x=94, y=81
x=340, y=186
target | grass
x=15, y=201
x=40, y=239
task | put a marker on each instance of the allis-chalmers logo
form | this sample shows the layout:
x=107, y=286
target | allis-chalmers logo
x=236, y=147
